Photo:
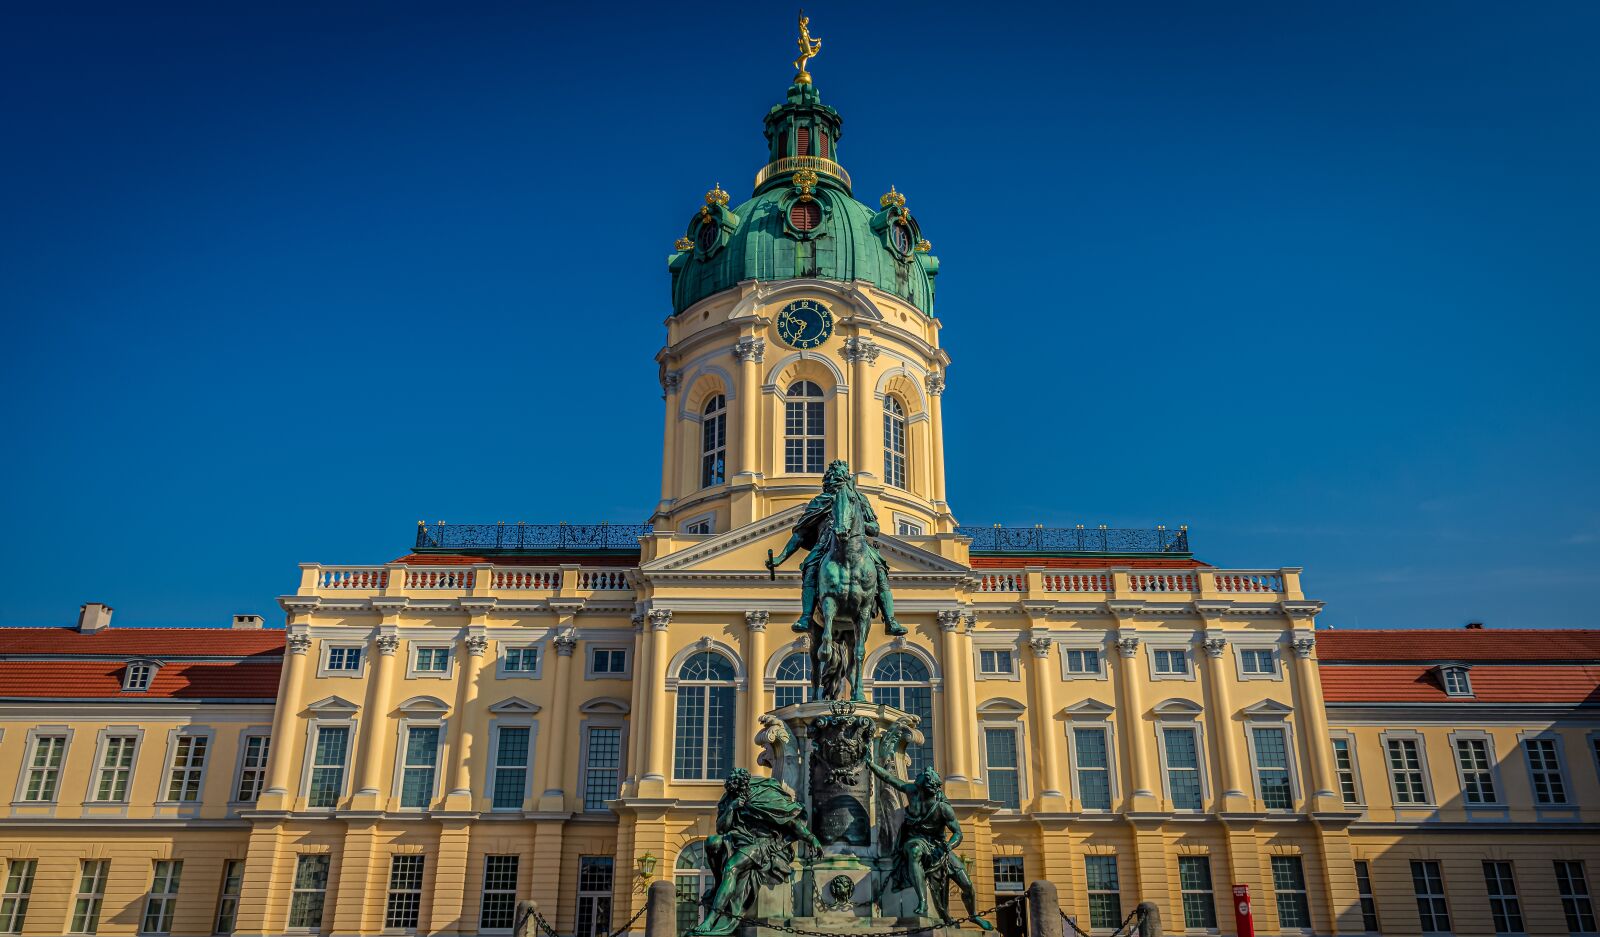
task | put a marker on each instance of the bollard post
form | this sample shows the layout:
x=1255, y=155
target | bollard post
x=660, y=910
x=1044, y=910
x=524, y=919
x=1149, y=919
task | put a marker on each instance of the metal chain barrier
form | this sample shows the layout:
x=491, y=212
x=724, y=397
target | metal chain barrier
x=1129, y=925
x=902, y=932
x=545, y=928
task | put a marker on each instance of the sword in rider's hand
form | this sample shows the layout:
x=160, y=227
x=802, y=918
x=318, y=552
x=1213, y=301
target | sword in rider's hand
x=772, y=569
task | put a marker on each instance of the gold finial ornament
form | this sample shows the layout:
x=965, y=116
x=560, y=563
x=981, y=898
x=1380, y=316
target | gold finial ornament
x=716, y=196
x=683, y=244
x=923, y=246
x=806, y=181
x=893, y=198
x=808, y=50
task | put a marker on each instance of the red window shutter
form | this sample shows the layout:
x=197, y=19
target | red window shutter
x=802, y=141
x=805, y=215
x=783, y=143
x=822, y=143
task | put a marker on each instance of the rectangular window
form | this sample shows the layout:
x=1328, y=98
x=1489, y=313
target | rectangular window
x=228, y=901
x=701, y=528
x=188, y=767
x=1183, y=768
x=327, y=766
x=1405, y=771
x=609, y=660
x=344, y=659
x=1257, y=662
x=1008, y=875
x=1194, y=881
x=995, y=661
x=1428, y=883
x=602, y=771
x=1094, y=768
x=1004, y=773
x=1544, y=764
x=1171, y=662
x=309, y=892
x=1344, y=765
x=1472, y=759
x=19, y=887
x=498, y=909
x=905, y=528
x=1572, y=884
x=91, y=892
x=522, y=660
x=433, y=660
x=1105, y=896
x=405, y=892
x=703, y=742
x=1369, y=901
x=1504, y=908
x=116, y=767
x=1289, y=888
x=1456, y=682
x=594, y=896
x=1087, y=662
x=421, y=755
x=511, y=767
x=252, y=769
x=44, y=768
x=1272, y=767
x=714, y=444
x=138, y=677
x=163, y=899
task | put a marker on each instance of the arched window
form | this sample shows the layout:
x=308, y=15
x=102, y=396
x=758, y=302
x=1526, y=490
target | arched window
x=713, y=441
x=704, y=749
x=894, y=443
x=803, y=428
x=901, y=680
x=793, y=683
x=692, y=879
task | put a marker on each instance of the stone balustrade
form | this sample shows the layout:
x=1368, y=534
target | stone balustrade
x=477, y=580
x=1244, y=584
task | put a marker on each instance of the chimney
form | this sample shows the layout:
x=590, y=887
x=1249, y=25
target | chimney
x=94, y=616
x=248, y=622
x=1474, y=626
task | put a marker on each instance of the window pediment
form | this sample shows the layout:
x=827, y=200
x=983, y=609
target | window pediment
x=605, y=705
x=424, y=706
x=1178, y=707
x=1268, y=709
x=334, y=706
x=515, y=704
x=1089, y=709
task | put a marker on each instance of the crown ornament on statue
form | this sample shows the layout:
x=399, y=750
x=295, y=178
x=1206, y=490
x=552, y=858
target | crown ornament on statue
x=892, y=198
x=716, y=196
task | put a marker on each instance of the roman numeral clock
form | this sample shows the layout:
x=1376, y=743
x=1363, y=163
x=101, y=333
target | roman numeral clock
x=805, y=323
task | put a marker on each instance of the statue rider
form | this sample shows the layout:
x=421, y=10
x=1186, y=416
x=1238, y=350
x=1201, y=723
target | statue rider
x=924, y=860
x=808, y=532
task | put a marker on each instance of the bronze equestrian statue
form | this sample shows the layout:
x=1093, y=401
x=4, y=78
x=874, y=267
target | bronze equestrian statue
x=843, y=579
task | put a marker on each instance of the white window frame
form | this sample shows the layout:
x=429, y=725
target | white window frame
x=170, y=768
x=1304, y=891
x=414, y=654
x=139, y=666
x=30, y=751
x=1010, y=653
x=895, y=473
x=1067, y=648
x=504, y=672
x=1014, y=726
x=240, y=766
x=701, y=525
x=1492, y=768
x=1100, y=722
x=511, y=721
x=1183, y=724
x=1366, y=894
x=1447, y=672
x=314, y=729
x=1210, y=893
x=905, y=526
x=295, y=891
x=404, y=895
x=718, y=450
x=1576, y=899
x=403, y=736
x=1443, y=895
x=1089, y=894
x=1155, y=651
x=20, y=872
x=1512, y=899
x=807, y=432
x=676, y=685
x=101, y=750
x=1349, y=738
x=484, y=892
x=163, y=904
x=589, y=673
x=1562, y=775
x=1421, y=742
x=1241, y=649
x=608, y=721
x=228, y=896
x=1006, y=887
x=87, y=905
x=325, y=666
x=1281, y=724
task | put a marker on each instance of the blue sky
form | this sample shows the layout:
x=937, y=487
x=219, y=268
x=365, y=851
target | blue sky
x=1316, y=279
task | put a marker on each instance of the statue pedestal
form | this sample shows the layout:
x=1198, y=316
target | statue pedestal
x=819, y=750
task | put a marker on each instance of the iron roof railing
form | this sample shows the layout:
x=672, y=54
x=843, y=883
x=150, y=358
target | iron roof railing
x=519, y=537
x=1080, y=539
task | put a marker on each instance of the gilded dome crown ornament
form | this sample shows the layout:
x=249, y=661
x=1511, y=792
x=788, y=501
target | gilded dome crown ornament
x=923, y=246
x=805, y=181
x=716, y=196
x=892, y=198
x=683, y=244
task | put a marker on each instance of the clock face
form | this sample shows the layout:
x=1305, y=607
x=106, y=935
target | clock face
x=805, y=323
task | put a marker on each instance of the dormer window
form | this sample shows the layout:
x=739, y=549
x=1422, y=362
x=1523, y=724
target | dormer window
x=136, y=679
x=1455, y=680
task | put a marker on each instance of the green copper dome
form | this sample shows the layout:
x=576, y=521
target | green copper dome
x=802, y=221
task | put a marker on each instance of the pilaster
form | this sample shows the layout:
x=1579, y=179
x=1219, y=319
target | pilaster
x=375, y=724
x=1046, y=732
x=956, y=715
x=755, y=656
x=475, y=647
x=446, y=912
x=658, y=729
x=291, y=687
x=553, y=776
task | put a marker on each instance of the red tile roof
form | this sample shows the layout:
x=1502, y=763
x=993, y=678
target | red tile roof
x=1461, y=644
x=64, y=663
x=1085, y=562
x=152, y=642
x=1491, y=683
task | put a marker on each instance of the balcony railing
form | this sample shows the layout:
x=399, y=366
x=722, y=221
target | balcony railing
x=479, y=579
x=1151, y=585
x=503, y=538
x=789, y=164
x=1122, y=541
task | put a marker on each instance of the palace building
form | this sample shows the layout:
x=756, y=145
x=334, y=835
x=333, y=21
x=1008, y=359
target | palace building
x=520, y=711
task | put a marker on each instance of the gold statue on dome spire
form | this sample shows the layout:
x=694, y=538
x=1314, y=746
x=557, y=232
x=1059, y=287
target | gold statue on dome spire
x=808, y=50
